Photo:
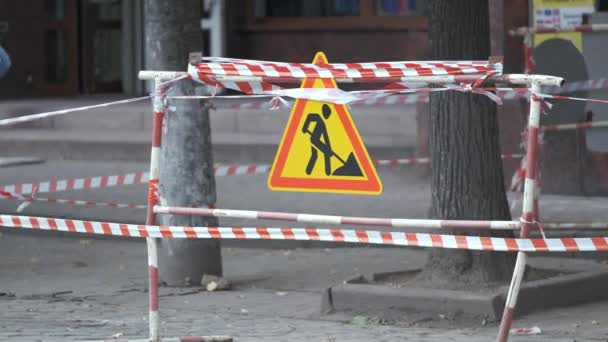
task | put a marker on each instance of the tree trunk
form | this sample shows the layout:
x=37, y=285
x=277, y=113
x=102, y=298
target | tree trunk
x=186, y=171
x=466, y=177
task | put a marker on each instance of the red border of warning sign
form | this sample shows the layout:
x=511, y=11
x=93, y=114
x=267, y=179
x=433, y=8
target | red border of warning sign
x=369, y=185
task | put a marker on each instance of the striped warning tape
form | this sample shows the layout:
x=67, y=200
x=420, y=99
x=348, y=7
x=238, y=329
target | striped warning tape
x=339, y=220
x=76, y=183
x=26, y=118
x=311, y=234
x=312, y=218
x=582, y=125
x=535, y=330
x=421, y=96
x=523, y=31
x=479, y=65
x=238, y=170
x=32, y=197
x=90, y=203
x=142, y=177
x=339, y=70
x=372, y=221
x=393, y=100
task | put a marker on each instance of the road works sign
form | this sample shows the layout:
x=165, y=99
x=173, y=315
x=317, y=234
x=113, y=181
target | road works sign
x=321, y=150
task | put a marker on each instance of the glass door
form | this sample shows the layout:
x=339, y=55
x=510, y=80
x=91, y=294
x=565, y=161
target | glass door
x=55, y=46
x=102, y=46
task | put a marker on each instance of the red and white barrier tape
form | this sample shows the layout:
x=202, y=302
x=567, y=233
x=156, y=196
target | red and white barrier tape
x=575, y=226
x=517, y=180
x=339, y=220
x=372, y=221
x=340, y=70
x=421, y=96
x=568, y=87
x=238, y=170
x=337, y=96
x=394, y=100
x=26, y=118
x=368, y=97
x=581, y=125
x=535, y=330
x=523, y=31
x=142, y=177
x=589, y=244
x=560, y=97
x=90, y=203
x=312, y=218
x=242, y=86
x=32, y=198
x=76, y=183
x=480, y=64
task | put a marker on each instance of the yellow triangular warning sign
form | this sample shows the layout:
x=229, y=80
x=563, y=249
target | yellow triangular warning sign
x=321, y=150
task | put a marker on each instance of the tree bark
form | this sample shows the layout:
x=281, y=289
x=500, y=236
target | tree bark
x=466, y=176
x=186, y=172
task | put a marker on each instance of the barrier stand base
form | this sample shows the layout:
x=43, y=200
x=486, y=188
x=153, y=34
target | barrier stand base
x=218, y=338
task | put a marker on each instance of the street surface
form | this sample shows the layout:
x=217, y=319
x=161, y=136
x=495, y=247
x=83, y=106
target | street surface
x=60, y=288
x=65, y=289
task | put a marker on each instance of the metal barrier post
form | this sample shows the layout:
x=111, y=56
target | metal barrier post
x=158, y=108
x=528, y=218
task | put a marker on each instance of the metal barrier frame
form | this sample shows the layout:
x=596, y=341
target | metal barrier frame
x=529, y=215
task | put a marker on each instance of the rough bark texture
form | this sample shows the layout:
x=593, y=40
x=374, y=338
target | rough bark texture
x=467, y=177
x=186, y=172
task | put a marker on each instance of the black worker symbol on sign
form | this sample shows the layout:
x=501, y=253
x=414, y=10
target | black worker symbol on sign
x=320, y=142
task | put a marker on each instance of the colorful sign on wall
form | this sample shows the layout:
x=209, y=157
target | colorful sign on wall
x=561, y=13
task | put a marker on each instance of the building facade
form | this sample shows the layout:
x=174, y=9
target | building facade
x=71, y=47
x=87, y=47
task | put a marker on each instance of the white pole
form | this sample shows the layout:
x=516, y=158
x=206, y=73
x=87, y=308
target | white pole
x=528, y=219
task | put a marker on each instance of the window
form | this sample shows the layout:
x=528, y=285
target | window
x=401, y=7
x=306, y=8
x=102, y=45
x=321, y=15
x=55, y=9
x=56, y=61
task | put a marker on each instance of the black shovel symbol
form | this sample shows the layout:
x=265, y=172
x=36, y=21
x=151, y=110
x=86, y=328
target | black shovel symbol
x=350, y=167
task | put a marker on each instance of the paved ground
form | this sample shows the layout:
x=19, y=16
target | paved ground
x=406, y=194
x=73, y=288
x=122, y=132
x=58, y=289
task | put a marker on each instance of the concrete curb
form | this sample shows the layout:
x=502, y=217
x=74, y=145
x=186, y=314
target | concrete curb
x=358, y=295
x=18, y=161
x=560, y=291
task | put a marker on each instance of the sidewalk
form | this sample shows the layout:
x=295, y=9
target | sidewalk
x=123, y=132
x=406, y=194
x=80, y=287
x=66, y=289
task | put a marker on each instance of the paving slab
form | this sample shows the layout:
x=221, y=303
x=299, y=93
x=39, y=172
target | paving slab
x=123, y=132
x=406, y=194
x=68, y=289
